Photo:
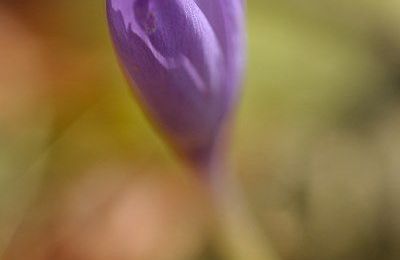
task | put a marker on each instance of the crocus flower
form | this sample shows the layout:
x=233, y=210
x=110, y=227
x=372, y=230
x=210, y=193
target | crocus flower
x=184, y=60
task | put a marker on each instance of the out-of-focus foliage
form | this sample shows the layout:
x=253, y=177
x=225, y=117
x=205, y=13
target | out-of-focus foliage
x=317, y=141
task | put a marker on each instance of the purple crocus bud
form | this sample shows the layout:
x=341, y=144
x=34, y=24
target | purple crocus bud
x=184, y=59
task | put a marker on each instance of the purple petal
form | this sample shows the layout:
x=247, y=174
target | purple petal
x=227, y=20
x=184, y=59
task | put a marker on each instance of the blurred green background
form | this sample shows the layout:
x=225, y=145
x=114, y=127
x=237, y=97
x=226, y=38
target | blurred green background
x=316, y=145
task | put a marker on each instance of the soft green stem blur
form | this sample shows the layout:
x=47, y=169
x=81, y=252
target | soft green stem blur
x=240, y=235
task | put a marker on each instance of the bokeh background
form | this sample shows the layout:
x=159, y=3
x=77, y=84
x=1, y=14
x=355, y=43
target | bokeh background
x=316, y=144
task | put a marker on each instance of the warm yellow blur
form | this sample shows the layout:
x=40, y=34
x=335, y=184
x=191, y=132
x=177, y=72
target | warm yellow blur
x=317, y=146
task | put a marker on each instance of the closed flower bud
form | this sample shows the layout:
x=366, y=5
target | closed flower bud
x=184, y=60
